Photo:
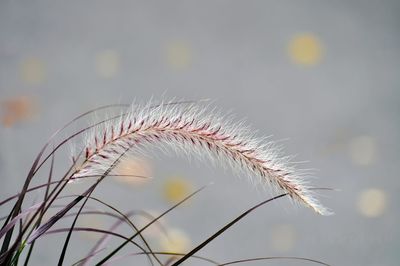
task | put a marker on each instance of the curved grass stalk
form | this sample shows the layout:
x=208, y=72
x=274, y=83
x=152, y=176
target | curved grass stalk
x=194, y=130
x=188, y=127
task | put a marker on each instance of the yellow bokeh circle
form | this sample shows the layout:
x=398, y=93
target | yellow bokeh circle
x=372, y=202
x=178, y=55
x=107, y=64
x=176, y=241
x=305, y=49
x=176, y=189
x=283, y=237
x=33, y=71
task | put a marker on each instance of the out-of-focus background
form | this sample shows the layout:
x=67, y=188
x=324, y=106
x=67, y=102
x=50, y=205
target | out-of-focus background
x=322, y=77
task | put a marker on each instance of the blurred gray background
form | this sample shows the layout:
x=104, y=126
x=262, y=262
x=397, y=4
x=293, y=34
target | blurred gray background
x=323, y=76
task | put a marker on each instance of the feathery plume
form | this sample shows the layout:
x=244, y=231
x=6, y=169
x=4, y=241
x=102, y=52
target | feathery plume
x=194, y=129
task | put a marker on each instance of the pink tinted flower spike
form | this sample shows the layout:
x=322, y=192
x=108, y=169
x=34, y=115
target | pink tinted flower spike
x=190, y=128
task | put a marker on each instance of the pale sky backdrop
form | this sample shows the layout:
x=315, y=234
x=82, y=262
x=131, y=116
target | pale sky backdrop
x=321, y=77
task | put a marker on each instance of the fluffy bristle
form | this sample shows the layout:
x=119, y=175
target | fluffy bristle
x=195, y=129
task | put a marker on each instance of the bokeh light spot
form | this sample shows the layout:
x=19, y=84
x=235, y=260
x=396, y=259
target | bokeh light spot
x=17, y=109
x=283, y=237
x=176, y=241
x=133, y=171
x=33, y=71
x=107, y=64
x=176, y=189
x=305, y=49
x=362, y=150
x=179, y=55
x=154, y=230
x=372, y=202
